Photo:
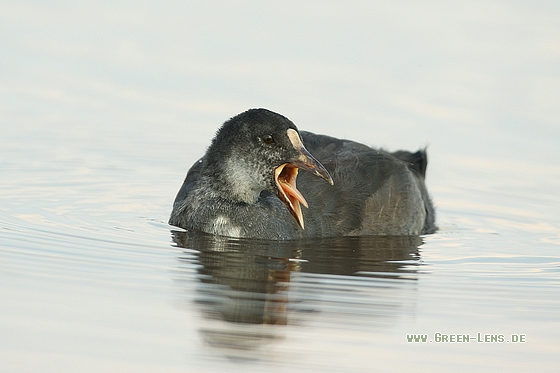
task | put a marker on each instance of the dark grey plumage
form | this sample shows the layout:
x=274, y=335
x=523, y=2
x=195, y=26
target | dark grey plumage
x=231, y=191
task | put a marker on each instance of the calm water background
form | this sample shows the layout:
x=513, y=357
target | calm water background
x=104, y=106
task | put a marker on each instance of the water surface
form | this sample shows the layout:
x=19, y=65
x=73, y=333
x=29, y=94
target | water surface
x=93, y=279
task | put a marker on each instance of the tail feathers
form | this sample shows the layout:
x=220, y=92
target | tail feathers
x=417, y=162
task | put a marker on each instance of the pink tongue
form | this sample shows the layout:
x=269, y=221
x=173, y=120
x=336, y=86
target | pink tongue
x=293, y=194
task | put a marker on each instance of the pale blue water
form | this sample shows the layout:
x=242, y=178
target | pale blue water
x=104, y=107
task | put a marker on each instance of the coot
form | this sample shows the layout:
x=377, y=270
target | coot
x=245, y=185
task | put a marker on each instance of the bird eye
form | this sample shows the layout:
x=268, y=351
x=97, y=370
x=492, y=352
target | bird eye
x=268, y=139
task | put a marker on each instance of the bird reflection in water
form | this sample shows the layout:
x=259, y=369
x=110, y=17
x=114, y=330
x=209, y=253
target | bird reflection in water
x=246, y=286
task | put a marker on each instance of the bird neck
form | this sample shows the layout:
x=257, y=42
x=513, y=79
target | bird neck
x=233, y=181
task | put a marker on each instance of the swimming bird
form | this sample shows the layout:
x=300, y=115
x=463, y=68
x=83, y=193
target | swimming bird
x=245, y=185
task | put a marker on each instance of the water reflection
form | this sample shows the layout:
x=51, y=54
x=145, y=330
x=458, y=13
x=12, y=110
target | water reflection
x=244, y=286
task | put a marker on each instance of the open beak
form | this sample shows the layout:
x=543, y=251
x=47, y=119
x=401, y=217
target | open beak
x=285, y=177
